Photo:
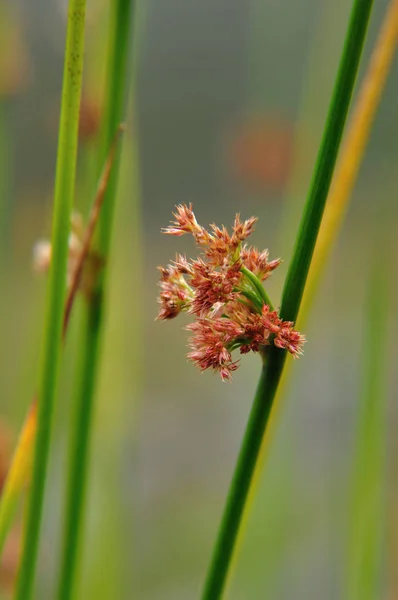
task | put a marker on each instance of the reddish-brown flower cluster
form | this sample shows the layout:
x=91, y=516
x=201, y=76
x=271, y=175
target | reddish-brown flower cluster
x=230, y=311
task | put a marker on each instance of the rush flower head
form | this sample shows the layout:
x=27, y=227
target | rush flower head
x=175, y=294
x=222, y=289
x=185, y=222
x=258, y=263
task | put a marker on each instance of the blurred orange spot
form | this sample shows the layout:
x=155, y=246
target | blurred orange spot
x=90, y=115
x=261, y=152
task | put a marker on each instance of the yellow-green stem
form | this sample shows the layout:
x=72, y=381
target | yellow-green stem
x=63, y=200
x=368, y=473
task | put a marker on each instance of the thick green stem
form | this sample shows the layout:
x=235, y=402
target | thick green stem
x=242, y=478
x=291, y=300
x=115, y=87
x=63, y=200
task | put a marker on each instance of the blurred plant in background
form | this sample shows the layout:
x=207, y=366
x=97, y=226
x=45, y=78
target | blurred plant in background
x=159, y=467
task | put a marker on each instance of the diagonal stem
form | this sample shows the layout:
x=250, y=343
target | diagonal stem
x=21, y=464
x=291, y=299
x=351, y=154
x=89, y=233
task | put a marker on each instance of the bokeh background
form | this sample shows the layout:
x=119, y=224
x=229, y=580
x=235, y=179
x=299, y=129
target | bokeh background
x=228, y=104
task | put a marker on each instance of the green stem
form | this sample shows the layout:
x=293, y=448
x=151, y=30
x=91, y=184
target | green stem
x=63, y=200
x=258, y=286
x=79, y=444
x=242, y=478
x=253, y=300
x=319, y=187
x=291, y=300
x=120, y=25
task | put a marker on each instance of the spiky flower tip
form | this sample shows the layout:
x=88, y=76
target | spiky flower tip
x=229, y=309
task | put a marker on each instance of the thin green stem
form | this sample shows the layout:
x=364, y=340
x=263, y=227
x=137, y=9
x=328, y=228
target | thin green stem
x=253, y=298
x=292, y=295
x=258, y=286
x=116, y=88
x=120, y=26
x=326, y=160
x=63, y=199
x=78, y=463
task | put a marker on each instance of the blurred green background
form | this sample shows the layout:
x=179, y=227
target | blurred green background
x=230, y=97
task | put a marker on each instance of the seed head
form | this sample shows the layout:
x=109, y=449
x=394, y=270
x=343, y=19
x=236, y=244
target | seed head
x=229, y=310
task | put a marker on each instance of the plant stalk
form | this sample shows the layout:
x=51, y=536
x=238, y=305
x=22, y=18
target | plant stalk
x=241, y=481
x=63, y=200
x=353, y=149
x=350, y=158
x=21, y=464
x=291, y=299
x=120, y=26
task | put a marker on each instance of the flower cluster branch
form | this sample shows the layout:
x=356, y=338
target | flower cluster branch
x=221, y=289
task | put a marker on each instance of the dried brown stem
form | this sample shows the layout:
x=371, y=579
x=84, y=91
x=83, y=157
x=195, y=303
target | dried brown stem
x=88, y=236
